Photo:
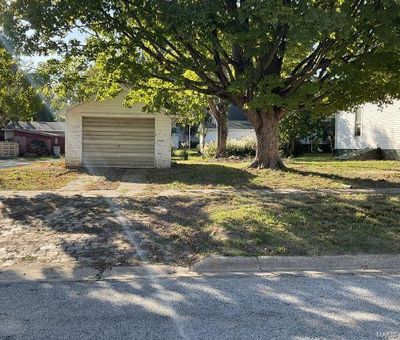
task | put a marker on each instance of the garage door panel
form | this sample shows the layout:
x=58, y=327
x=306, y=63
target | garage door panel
x=117, y=161
x=138, y=155
x=118, y=142
x=126, y=135
x=124, y=165
x=119, y=120
x=121, y=148
x=123, y=129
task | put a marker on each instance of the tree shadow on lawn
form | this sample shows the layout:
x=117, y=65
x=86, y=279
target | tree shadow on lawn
x=219, y=175
x=109, y=174
x=177, y=229
x=206, y=175
x=356, y=183
x=312, y=224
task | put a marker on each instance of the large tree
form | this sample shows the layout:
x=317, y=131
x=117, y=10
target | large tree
x=266, y=57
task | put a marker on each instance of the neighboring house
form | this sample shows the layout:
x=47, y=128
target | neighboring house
x=238, y=126
x=51, y=133
x=109, y=134
x=369, y=126
x=180, y=136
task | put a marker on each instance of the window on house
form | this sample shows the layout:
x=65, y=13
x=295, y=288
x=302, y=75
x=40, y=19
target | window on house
x=357, y=131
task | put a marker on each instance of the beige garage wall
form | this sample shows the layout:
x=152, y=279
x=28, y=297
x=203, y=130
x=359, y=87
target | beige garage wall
x=114, y=108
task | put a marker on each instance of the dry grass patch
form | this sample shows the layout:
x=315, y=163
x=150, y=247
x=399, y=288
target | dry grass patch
x=37, y=176
x=106, y=179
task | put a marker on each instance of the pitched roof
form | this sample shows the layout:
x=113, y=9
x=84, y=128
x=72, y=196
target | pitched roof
x=236, y=119
x=238, y=124
x=36, y=126
x=51, y=128
x=236, y=113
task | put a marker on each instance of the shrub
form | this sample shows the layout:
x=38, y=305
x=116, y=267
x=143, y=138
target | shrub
x=210, y=149
x=180, y=153
x=38, y=148
x=244, y=147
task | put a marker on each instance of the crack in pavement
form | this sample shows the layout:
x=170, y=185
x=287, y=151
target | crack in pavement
x=132, y=237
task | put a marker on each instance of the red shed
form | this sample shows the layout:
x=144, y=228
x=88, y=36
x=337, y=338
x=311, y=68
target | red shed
x=24, y=133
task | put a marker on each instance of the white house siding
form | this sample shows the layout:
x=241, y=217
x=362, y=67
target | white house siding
x=114, y=108
x=380, y=127
x=73, y=139
x=163, y=141
x=211, y=135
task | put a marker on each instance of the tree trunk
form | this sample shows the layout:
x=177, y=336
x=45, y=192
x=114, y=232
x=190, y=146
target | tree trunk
x=189, y=138
x=266, y=126
x=219, y=112
x=222, y=136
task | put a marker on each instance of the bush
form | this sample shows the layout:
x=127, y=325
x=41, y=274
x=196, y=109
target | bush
x=210, y=149
x=38, y=148
x=180, y=153
x=244, y=147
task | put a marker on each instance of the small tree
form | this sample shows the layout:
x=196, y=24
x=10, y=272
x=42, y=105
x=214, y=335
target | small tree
x=297, y=125
x=219, y=111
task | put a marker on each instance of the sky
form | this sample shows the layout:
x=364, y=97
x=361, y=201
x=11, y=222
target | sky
x=37, y=59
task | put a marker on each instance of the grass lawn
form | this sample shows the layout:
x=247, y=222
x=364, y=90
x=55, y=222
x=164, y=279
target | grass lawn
x=37, y=176
x=184, y=227
x=310, y=172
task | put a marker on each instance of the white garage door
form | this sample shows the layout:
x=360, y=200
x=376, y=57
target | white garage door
x=118, y=142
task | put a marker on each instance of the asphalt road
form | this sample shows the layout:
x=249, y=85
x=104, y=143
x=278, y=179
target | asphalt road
x=250, y=307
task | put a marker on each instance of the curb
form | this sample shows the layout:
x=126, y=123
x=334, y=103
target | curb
x=213, y=265
x=222, y=264
x=54, y=273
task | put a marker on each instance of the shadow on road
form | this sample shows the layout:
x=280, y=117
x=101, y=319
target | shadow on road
x=352, y=307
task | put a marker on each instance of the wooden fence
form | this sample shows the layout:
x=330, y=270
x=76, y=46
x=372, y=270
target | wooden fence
x=9, y=149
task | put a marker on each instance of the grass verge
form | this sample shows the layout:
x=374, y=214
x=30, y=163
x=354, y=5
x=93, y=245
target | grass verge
x=184, y=227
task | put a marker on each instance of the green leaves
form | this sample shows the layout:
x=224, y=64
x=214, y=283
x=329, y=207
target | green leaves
x=18, y=100
x=316, y=55
x=188, y=107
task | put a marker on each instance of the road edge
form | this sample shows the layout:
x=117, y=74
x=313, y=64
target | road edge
x=218, y=264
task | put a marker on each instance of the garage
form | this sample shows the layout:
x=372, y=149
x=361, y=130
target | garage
x=109, y=134
x=119, y=142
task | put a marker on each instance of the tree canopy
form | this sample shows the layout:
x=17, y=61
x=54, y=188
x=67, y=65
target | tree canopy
x=18, y=100
x=267, y=57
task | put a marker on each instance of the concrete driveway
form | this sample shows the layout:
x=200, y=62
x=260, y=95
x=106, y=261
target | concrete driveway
x=232, y=307
x=12, y=163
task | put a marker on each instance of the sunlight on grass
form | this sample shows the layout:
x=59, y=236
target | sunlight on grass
x=37, y=176
x=319, y=172
x=252, y=224
x=306, y=224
